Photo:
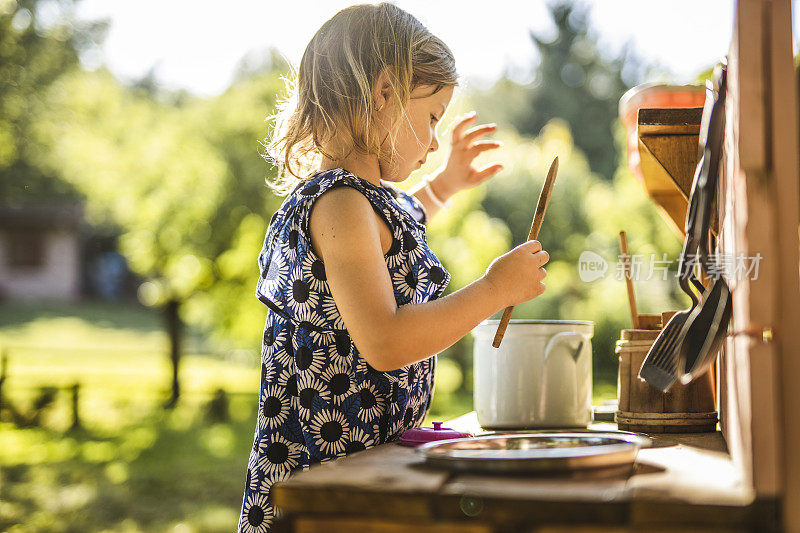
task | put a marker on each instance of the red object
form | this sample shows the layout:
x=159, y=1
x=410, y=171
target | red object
x=652, y=95
x=417, y=436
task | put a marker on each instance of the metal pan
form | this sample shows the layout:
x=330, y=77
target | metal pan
x=560, y=451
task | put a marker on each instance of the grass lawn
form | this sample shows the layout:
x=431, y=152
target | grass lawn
x=132, y=466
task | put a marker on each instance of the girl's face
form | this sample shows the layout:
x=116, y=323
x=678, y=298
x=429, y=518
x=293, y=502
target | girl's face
x=415, y=135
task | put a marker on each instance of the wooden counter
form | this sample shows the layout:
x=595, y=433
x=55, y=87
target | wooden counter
x=686, y=482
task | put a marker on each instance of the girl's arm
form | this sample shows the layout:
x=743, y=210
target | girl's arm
x=421, y=192
x=345, y=233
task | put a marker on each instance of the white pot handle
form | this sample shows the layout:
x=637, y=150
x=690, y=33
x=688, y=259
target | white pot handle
x=563, y=337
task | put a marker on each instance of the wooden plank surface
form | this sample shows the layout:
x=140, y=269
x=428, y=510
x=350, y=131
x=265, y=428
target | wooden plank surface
x=382, y=481
x=334, y=524
x=391, y=482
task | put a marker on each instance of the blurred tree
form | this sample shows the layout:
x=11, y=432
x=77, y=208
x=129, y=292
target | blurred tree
x=39, y=41
x=185, y=184
x=575, y=82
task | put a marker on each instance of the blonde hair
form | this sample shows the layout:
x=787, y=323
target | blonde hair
x=331, y=93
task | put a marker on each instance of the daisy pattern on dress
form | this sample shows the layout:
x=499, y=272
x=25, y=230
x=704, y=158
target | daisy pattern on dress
x=257, y=514
x=307, y=359
x=278, y=335
x=404, y=281
x=301, y=295
x=253, y=473
x=438, y=276
x=278, y=454
x=307, y=351
x=331, y=312
x=340, y=382
x=274, y=330
x=310, y=387
x=287, y=379
x=268, y=369
x=308, y=317
x=313, y=271
x=341, y=352
x=290, y=245
x=330, y=431
x=277, y=271
x=399, y=398
x=408, y=375
x=359, y=440
x=371, y=404
x=394, y=258
x=273, y=408
x=412, y=246
x=362, y=367
x=266, y=488
x=421, y=280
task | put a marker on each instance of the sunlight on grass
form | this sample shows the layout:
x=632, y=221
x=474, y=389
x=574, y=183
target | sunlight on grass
x=132, y=466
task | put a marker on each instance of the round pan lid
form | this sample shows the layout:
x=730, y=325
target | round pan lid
x=417, y=436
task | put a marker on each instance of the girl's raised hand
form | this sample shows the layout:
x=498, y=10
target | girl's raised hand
x=465, y=145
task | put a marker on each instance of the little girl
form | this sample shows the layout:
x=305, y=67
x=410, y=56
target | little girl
x=356, y=314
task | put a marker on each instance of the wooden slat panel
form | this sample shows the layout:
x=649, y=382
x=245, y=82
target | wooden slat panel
x=761, y=217
x=786, y=169
x=748, y=47
x=674, y=121
x=532, y=512
x=678, y=155
x=736, y=409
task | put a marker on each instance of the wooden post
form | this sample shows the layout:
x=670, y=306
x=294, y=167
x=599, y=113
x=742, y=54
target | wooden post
x=76, y=421
x=759, y=219
x=174, y=331
x=3, y=367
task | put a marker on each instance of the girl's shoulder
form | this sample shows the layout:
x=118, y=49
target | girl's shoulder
x=322, y=180
x=386, y=197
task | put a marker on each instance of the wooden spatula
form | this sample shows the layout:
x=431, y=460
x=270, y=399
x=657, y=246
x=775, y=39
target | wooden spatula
x=541, y=207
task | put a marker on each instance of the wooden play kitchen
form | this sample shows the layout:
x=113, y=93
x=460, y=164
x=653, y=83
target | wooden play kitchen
x=687, y=408
x=683, y=409
x=744, y=476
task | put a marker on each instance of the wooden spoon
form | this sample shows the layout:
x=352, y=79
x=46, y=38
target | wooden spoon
x=623, y=247
x=538, y=217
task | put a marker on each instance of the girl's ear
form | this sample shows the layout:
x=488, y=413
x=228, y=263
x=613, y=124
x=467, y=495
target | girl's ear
x=382, y=89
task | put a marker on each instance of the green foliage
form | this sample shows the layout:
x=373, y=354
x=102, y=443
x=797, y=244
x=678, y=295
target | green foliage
x=585, y=212
x=34, y=52
x=574, y=82
x=183, y=180
x=185, y=185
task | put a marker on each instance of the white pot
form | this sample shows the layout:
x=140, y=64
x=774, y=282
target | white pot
x=540, y=377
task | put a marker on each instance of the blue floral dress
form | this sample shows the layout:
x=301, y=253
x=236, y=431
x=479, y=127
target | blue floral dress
x=320, y=399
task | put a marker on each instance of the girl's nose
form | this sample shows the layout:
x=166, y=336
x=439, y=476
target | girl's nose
x=434, y=144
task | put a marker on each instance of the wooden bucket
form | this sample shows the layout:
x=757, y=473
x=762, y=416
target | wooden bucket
x=643, y=408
